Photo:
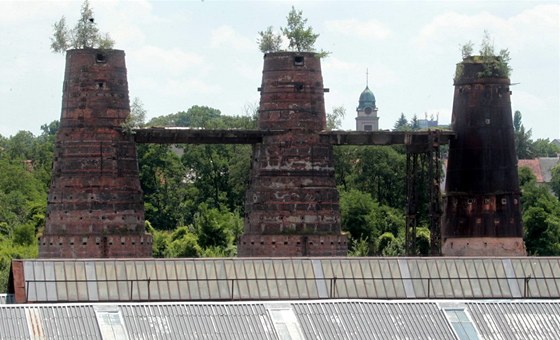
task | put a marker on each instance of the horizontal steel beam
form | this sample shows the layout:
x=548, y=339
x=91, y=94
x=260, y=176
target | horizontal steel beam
x=417, y=141
x=408, y=138
x=177, y=135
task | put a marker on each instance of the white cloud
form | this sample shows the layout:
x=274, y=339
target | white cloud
x=19, y=12
x=525, y=100
x=226, y=36
x=169, y=62
x=379, y=74
x=371, y=29
x=537, y=26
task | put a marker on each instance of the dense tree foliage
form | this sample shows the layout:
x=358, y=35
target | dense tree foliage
x=525, y=147
x=541, y=217
x=522, y=138
x=555, y=180
x=25, y=170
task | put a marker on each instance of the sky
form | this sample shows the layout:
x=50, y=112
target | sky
x=185, y=53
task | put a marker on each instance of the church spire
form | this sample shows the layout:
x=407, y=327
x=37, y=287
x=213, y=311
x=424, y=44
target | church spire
x=367, y=77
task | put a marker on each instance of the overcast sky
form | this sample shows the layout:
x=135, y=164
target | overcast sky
x=185, y=53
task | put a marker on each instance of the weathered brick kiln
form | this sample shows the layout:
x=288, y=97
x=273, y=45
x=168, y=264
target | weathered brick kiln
x=292, y=205
x=95, y=205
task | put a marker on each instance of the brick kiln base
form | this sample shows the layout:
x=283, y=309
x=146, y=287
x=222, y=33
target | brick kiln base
x=484, y=246
x=251, y=245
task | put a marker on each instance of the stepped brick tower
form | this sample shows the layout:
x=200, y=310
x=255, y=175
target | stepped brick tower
x=292, y=204
x=482, y=214
x=95, y=207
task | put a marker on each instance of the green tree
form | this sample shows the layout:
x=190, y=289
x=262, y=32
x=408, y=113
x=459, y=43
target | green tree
x=137, y=115
x=10, y=251
x=495, y=65
x=542, y=226
x=541, y=211
x=414, y=123
x=84, y=35
x=380, y=171
x=385, y=240
x=522, y=138
x=555, y=180
x=334, y=118
x=360, y=247
x=401, y=124
x=467, y=49
x=394, y=248
x=423, y=240
x=217, y=228
x=544, y=148
x=168, y=190
x=183, y=243
x=526, y=176
x=300, y=37
x=24, y=234
x=355, y=211
x=269, y=41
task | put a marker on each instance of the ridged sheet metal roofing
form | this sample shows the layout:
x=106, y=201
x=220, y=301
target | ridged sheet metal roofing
x=289, y=278
x=319, y=319
x=372, y=320
x=527, y=320
x=198, y=321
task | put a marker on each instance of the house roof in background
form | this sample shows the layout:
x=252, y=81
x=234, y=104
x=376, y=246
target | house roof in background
x=540, y=167
x=533, y=165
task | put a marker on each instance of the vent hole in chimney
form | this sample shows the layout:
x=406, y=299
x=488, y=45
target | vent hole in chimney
x=298, y=60
x=100, y=58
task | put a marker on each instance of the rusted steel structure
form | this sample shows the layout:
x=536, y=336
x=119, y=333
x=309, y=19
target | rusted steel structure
x=423, y=178
x=482, y=215
x=292, y=206
x=95, y=205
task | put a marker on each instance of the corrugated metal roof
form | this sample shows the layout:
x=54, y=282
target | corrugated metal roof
x=520, y=320
x=289, y=278
x=198, y=321
x=372, y=320
x=319, y=319
x=48, y=322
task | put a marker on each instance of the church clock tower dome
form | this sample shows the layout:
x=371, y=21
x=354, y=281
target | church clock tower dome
x=366, y=119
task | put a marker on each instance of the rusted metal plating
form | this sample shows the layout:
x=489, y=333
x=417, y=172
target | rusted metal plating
x=482, y=186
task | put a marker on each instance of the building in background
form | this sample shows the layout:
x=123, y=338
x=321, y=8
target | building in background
x=428, y=123
x=366, y=119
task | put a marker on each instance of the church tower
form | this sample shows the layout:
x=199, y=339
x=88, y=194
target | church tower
x=366, y=119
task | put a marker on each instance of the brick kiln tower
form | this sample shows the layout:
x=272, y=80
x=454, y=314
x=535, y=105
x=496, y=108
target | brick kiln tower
x=292, y=205
x=482, y=215
x=95, y=207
